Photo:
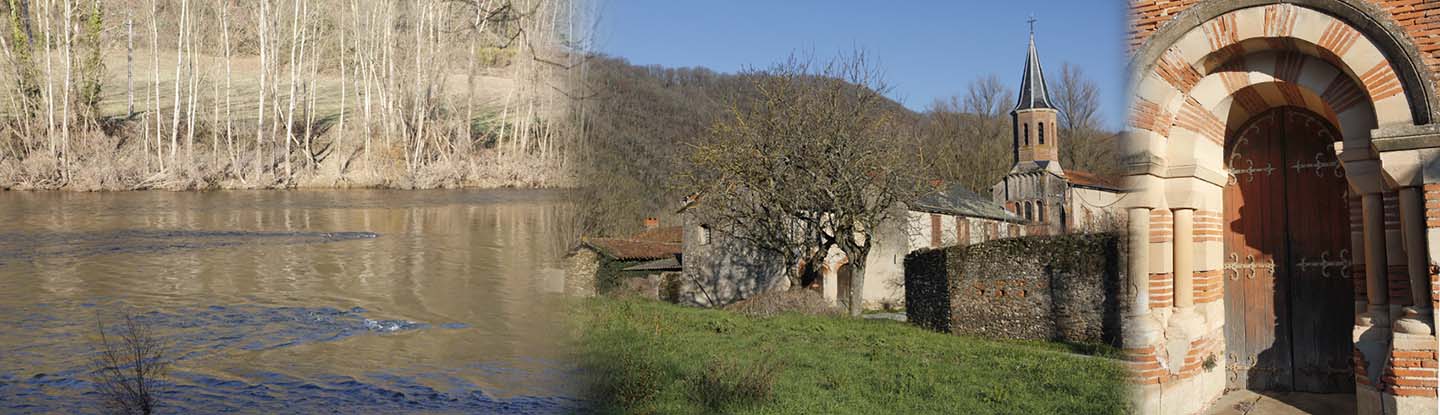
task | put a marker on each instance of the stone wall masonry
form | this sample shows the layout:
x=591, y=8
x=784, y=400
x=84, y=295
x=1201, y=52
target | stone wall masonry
x=1064, y=288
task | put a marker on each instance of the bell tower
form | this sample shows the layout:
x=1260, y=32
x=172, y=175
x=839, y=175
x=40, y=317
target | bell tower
x=1036, y=134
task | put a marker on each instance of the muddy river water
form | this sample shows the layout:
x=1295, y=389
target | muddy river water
x=354, y=301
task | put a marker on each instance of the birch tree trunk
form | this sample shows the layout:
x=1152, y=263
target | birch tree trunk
x=69, y=70
x=229, y=120
x=340, y=139
x=155, y=74
x=45, y=27
x=179, y=76
x=260, y=119
x=295, y=31
x=194, y=95
x=129, y=64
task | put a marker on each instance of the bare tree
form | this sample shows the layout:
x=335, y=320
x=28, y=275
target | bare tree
x=155, y=74
x=179, y=75
x=229, y=76
x=129, y=64
x=260, y=117
x=1078, y=99
x=967, y=138
x=817, y=147
x=67, y=86
x=130, y=367
x=1087, y=146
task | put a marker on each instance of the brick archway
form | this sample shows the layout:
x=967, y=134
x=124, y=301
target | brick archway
x=1199, y=78
x=1159, y=25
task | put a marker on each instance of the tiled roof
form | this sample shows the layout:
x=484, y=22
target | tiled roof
x=1082, y=178
x=957, y=200
x=632, y=250
x=667, y=264
x=658, y=243
x=672, y=234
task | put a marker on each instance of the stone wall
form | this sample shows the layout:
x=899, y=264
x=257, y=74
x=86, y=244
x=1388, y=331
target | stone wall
x=720, y=270
x=1064, y=288
x=580, y=269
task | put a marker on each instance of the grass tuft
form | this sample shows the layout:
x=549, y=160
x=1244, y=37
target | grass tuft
x=725, y=383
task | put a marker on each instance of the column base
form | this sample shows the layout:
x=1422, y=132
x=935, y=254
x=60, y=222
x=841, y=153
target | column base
x=1185, y=326
x=1141, y=330
x=1374, y=316
x=1414, y=320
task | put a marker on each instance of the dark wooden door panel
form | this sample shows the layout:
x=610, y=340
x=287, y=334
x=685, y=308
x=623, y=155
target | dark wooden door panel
x=1287, y=287
x=1319, y=235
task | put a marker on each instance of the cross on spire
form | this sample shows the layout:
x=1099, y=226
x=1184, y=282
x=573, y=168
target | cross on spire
x=1032, y=23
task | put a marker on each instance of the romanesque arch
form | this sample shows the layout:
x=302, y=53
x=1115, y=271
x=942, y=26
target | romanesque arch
x=1195, y=82
x=1383, y=34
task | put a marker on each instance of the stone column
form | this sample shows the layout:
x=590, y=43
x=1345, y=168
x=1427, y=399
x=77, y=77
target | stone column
x=1377, y=288
x=1184, y=246
x=1139, y=265
x=1415, y=318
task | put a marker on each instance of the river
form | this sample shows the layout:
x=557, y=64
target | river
x=350, y=301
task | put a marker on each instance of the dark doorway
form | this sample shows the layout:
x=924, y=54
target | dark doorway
x=1288, y=294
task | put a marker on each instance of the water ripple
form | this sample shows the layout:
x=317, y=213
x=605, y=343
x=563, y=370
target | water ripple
x=199, y=332
x=25, y=246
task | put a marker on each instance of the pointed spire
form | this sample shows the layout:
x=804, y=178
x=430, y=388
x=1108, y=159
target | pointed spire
x=1033, y=91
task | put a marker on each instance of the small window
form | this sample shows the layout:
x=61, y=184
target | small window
x=1041, y=126
x=704, y=234
x=1040, y=211
x=1027, y=134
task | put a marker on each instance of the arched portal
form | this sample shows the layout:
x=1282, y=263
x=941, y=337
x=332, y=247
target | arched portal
x=1243, y=259
x=1286, y=234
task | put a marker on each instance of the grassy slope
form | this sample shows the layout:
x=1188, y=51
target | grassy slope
x=841, y=365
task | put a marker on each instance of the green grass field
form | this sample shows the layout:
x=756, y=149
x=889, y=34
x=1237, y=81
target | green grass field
x=650, y=357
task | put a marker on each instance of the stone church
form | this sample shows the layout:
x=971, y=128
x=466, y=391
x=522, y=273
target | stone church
x=1283, y=163
x=1053, y=199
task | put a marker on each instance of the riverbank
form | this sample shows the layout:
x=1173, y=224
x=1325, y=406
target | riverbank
x=129, y=167
x=649, y=357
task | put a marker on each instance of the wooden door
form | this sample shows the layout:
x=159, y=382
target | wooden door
x=1287, y=292
x=1321, y=300
x=1257, y=347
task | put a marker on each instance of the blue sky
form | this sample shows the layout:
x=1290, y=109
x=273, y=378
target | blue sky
x=927, y=49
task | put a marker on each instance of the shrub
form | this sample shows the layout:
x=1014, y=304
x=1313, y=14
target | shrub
x=130, y=367
x=772, y=303
x=623, y=379
x=725, y=384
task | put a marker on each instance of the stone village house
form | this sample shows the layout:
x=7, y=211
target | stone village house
x=643, y=263
x=1284, y=164
x=1037, y=197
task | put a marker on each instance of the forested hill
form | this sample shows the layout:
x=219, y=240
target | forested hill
x=642, y=121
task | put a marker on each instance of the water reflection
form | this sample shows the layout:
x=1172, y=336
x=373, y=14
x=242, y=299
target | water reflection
x=370, y=301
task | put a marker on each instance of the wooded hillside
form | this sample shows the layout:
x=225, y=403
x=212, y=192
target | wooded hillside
x=644, y=121
x=181, y=94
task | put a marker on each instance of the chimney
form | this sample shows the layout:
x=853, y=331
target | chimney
x=652, y=223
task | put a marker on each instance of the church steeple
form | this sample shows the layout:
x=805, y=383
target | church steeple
x=1037, y=139
x=1033, y=91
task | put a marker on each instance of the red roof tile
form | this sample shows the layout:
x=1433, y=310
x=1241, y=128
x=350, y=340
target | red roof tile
x=671, y=234
x=631, y=249
x=658, y=243
x=1083, y=178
